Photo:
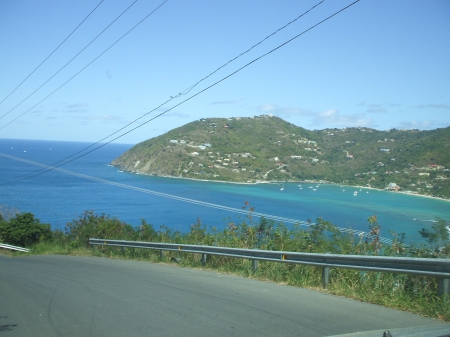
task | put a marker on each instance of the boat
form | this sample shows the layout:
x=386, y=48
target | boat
x=355, y=193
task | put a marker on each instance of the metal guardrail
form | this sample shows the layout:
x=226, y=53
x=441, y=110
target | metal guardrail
x=439, y=268
x=21, y=249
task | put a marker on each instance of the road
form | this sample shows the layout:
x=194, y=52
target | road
x=87, y=296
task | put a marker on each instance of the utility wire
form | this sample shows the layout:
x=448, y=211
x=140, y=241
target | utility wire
x=85, y=66
x=51, y=53
x=187, y=99
x=167, y=101
x=267, y=37
x=182, y=102
x=192, y=201
x=73, y=58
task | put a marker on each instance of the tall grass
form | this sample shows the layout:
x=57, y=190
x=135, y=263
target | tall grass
x=405, y=292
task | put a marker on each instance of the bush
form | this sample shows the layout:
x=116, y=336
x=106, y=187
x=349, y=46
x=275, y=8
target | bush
x=91, y=225
x=24, y=230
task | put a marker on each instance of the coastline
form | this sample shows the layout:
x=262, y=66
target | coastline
x=307, y=181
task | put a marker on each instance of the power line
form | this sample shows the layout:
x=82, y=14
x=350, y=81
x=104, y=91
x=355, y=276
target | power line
x=73, y=58
x=171, y=98
x=191, y=201
x=186, y=91
x=51, y=53
x=86, y=65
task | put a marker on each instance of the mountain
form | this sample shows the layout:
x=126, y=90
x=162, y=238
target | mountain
x=266, y=148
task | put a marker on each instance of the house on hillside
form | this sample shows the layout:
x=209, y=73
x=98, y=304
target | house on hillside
x=393, y=187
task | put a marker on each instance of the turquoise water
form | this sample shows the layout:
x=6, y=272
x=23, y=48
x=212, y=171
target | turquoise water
x=57, y=198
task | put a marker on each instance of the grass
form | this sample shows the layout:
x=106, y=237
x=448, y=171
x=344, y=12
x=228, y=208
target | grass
x=415, y=294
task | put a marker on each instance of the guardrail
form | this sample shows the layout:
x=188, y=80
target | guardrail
x=21, y=249
x=439, y=268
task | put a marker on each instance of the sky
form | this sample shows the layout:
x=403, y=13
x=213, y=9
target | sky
x=381, y=64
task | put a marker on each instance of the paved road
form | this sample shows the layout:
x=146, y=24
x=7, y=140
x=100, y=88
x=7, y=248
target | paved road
x=86, y=296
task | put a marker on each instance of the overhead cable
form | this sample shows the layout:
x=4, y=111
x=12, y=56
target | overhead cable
x=193, y=201
x=186, y=91
x=73, y=58
x=182, y=102
x=167, y=101
x=51, y=53
x=85, y=66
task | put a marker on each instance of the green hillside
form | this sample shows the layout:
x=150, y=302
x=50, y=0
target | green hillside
x=266, y=148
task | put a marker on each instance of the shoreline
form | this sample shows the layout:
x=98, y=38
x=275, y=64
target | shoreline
x=323, y=182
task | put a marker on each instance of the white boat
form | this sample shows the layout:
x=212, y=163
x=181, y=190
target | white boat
x=355, y=193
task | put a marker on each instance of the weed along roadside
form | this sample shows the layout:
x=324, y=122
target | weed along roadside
x=314, y=257
x=438, y=268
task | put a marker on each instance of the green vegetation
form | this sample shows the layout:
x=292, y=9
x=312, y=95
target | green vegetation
x=405, y=292
x=24, y=230
x=265, y=148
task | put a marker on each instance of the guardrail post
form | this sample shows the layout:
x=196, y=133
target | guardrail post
x=161, y=254
x=203, y=260
x=325, y=277
x=444, y=287
x=254, y=265
x=123, y=250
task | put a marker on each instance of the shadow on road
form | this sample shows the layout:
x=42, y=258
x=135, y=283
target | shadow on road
x=6, y=327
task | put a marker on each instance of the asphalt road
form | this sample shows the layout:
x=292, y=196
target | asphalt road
x=86, y=296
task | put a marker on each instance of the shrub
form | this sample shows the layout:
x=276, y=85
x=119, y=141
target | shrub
x=91, y=225
x=24, y=230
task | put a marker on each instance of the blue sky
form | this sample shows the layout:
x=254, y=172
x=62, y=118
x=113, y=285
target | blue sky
x=380, y=63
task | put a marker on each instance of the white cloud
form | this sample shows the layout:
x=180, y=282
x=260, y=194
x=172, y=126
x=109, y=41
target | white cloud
x=283, y=112
x=377, y=110
x=327, y=113
x=421, y=125
x=77, y=107
x=333, y=118
x=267, y=107
x=101, y=118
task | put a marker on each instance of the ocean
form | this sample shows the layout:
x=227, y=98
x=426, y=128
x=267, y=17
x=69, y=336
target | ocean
x=58, y=197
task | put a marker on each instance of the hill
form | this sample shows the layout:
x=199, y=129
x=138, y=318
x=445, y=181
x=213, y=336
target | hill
x=265, y=148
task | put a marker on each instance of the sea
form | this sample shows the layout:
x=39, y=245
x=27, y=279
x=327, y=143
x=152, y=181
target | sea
x=58, y=194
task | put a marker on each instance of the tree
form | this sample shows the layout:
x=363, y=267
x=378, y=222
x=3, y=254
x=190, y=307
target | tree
x=24, y=230
x=7, y=212
x=91, y=225
x=439, y=234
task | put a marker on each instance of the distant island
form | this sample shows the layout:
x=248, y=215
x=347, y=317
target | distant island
x=265, y=148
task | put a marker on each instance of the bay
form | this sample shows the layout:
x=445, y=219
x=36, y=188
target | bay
x=57, y=198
